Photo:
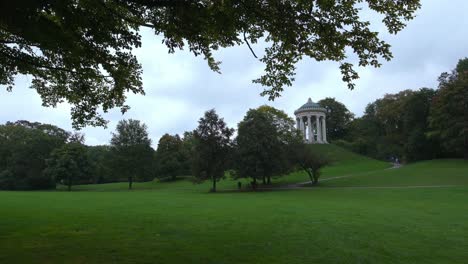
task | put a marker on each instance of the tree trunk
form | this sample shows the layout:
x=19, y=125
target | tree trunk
x=214, y=184
x=466, y=146
x=268, y=179
x=69, y=183
x=316, y=177
x=130, y=182
x=310, y=176
x=254, y=184
x=315, y=181
x=264, y=180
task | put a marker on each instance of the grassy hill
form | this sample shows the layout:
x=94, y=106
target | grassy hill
x=180, y=222
x=424, y=173
x=344, y=162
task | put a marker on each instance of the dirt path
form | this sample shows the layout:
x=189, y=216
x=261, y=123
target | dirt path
x=285, y=188
x=395, y=166
x=393, y=187
x=304, y=185
x=301, y=184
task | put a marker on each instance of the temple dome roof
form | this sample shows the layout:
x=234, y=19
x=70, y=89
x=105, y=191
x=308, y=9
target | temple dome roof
x=310, y=107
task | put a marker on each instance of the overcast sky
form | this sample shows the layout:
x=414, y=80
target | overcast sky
x=180, y=87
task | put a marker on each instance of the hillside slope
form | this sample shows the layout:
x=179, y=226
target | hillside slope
x=444, y=172
x=344, y=163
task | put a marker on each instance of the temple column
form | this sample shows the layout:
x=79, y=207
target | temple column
x=298, y=124
x=324, y=130
x=311, y=131
x=304, y=130
x=319, y=130
x=302, y=124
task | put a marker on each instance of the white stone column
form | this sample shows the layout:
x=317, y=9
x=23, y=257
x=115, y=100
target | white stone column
x=324, y=130
x=319, y=130
x=302, y=128
x=298, y=124
x=311, y=131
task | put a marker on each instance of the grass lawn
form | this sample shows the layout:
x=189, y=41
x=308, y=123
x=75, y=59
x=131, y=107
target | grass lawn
x=181, y=223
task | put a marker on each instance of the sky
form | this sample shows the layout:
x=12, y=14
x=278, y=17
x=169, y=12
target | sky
x=180, y=87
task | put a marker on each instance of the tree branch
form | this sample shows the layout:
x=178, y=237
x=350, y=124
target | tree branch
x=49, y=67
x=158, y=3
x=248, y=44
x=128, y=19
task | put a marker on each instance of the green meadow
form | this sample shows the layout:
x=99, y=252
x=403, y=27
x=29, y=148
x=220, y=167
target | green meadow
x=363, y=211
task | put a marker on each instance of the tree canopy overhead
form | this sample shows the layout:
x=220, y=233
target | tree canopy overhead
x=80, y=51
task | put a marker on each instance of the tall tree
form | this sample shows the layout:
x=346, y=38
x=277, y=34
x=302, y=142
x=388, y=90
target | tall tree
x=171, y=159
x=81, y=51
x=338, y=118
x=69, y=164
x=102, y=167
x=212, y=145
x=449, y=112
x=188, y=146
x=417, y=145
x=132, y=146
x=284, y=124
x=309, y=160
x=263, y=136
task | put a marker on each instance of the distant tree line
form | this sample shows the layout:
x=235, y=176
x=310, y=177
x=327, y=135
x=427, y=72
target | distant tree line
x=24, y=149
x=410, y=125
x=40, y=156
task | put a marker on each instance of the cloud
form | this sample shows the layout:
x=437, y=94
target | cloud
x=180, y=87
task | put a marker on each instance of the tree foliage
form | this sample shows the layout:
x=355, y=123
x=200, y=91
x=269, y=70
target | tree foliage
x=81, y=51
x=172, y=158
x=133, y=152
x=35, y=155
x=102, y=165
x=261, y=144
x=213, y=143
x=418, y=146
x=338, y=118
x=396, y=126
x=69, y=164
x=283, y=123
x=310, y=161
x=449, y=112
x=129, y=133
x=24, y=148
